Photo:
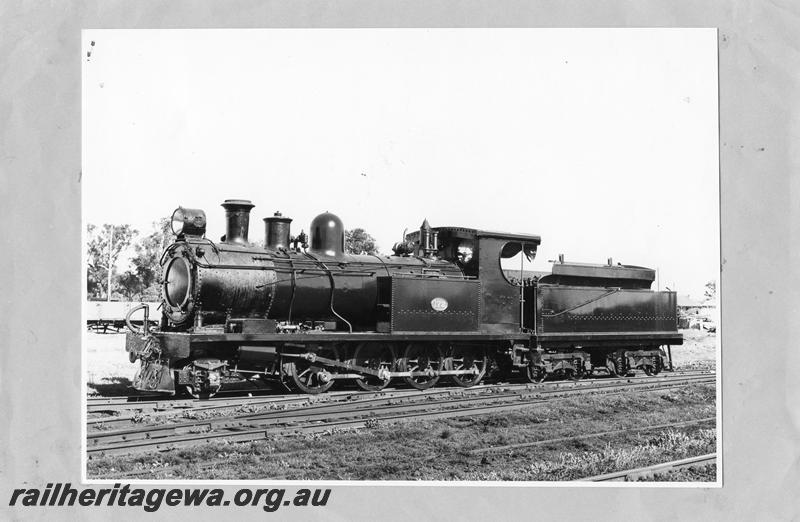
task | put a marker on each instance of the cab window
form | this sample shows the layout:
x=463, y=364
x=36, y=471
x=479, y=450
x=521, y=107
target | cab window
x=516, y=261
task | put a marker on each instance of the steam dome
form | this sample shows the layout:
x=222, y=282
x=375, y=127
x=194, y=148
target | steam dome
x=327, y=235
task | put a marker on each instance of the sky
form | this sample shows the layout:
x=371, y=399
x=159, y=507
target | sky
x=602, y=141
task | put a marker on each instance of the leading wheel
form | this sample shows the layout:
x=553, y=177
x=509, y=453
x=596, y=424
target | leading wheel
x=204, y=383
x=535, y=373
x=198, y=395
x=573, y=375
x=311, y=376
x=375, y=356
x=426, y=361
x=472, y=358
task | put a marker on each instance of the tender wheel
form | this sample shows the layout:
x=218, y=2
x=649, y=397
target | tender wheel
x=311, y=376
x=620, y=362
x=375, y=356
x=649, y=369
x=469, y=358
x=535, y=373
x=420, y=358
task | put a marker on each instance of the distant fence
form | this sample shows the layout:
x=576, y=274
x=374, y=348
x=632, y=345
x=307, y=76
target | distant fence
x=109, y=316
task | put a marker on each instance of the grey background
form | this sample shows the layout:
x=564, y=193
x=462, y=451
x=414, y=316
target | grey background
x=40, y=278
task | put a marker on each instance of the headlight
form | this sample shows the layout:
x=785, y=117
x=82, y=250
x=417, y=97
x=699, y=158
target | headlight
x=189, y=222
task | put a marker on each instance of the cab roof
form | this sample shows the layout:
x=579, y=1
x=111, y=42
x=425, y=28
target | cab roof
x=471, y=233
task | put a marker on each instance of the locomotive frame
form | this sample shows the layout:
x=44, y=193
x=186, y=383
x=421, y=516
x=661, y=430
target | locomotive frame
x=309, y=316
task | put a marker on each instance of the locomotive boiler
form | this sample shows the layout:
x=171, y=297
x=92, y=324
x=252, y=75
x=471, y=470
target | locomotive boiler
x=303, y=312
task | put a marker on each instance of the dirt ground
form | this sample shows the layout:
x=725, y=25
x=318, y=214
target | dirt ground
x=109, y=371
x=699, y=350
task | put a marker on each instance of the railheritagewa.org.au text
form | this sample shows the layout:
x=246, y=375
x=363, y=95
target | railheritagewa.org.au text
x=152, y=499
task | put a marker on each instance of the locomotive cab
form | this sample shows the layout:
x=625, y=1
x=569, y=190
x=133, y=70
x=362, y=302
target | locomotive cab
x=479, y=254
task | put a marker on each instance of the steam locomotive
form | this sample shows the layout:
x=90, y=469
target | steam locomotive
x=303, y=312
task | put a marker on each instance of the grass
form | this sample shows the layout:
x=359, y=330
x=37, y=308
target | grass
x=440, y=449
x=706, y=473
x=672, y=443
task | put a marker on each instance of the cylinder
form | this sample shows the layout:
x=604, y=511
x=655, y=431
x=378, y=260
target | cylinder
x=277, y=233
x=237, y=220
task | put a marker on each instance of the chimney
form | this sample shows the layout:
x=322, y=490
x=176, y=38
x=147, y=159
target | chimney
x=237, y=220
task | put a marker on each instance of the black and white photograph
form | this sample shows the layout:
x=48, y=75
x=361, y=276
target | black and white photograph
x=445, y=255
x=419, y=260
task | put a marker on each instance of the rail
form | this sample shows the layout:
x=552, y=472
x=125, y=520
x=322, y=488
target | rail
x=318, y=417
x=632, y=474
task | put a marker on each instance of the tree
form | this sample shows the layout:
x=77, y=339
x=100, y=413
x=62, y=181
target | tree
x=129, y=285
x=143, y=280
x=711, y=291
x=102, y=251
x=358, y=241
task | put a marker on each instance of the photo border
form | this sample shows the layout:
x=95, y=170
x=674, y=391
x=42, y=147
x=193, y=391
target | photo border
x=758, y=78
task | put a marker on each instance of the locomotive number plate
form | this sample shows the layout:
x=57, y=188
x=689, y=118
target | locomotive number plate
x=439, y=304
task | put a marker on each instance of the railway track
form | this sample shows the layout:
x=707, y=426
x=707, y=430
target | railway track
x=159, y=403
x=647, y=471
x=360, y=411
x=616, y=476
x=269, y=403
x=139, y=411
x=162, y=402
